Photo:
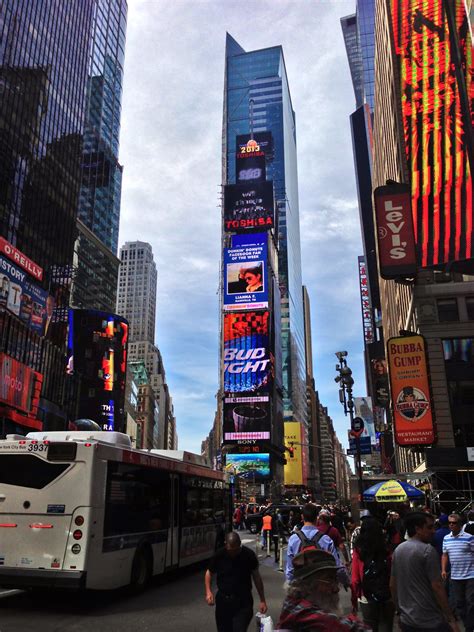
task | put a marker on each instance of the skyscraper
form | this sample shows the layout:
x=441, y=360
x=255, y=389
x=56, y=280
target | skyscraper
x=136, y=292
x=44, y=54
x=96, y=267
x=257, y=100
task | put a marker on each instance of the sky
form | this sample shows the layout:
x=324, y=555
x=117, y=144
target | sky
x=171, y=151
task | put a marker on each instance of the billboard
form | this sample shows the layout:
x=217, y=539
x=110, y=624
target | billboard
x=252, y=467
x=21, y=260
x=379, y=375
x=436, y=114
x=246, y=274
x=97, y=349
x=264, y=141
x=246, y=419
x=249, y=163
x=363, y=409
x=21, y=296
x=395, y=236
x=367, y=320
x=249, y=206
x=410, y=391
x=16, y=383
x=246, y=362
x=293, y=469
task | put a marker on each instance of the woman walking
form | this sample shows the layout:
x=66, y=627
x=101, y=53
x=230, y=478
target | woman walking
x=371, y=577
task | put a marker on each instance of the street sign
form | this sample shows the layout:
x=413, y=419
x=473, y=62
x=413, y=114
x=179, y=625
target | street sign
x=357, y=427
x=364, y=444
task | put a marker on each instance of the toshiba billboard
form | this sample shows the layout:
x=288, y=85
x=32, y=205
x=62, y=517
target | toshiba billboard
x=395, y=236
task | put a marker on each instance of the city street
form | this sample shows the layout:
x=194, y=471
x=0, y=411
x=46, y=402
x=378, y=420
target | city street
x=172, y=604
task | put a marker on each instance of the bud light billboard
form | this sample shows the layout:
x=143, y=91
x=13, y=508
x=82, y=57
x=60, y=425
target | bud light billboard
x=97, y=350
x=245, y=274
x=247, y=362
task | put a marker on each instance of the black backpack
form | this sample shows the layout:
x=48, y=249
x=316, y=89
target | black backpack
x=309, y=544
x=469, y=528
x=376, y=580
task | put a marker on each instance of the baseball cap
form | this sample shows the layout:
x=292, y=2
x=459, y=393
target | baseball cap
x=312, y=561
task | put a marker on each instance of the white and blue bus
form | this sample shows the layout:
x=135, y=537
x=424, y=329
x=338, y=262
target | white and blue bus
x=86, y=510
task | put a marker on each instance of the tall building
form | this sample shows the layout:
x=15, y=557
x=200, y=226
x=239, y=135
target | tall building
x=95, y=282
x=136, y=301
x=429, y=101
x=256, y=100
x=136, y=292
x=44, y=60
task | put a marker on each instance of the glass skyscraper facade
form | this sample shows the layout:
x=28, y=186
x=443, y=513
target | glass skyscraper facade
x=257, y=99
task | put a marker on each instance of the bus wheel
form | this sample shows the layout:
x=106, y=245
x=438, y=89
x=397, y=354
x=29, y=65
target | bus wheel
x=141, y=570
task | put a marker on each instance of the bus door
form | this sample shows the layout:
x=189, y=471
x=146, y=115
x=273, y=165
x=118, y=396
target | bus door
x=172, y=550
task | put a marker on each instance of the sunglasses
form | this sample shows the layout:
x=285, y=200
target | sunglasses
x=453, y=521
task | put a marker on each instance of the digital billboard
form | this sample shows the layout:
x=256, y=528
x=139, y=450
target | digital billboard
x=246, y=275
x=264, y=141
x=410, y=391
x=16, y=383
x=20, y=259
x=246, y=419
x=246, y=361
x=21, y=296
x=367, y=320
x=250, y=165
x=249, y=206
x=363, y=409
x=436, y=104
x=379, y=374
x=252, y=467
x=97, y=346
x=293, y=469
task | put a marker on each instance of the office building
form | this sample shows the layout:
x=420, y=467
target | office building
x=99, y=200
x=44, y=60
x=437, y=302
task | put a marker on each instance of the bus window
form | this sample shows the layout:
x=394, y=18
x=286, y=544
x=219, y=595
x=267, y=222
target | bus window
x=219, y=514
x=26, y=470
x=191, y=507
x=137, y=499
x=205, y=507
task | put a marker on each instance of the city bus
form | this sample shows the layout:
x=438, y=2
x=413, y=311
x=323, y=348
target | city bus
x=86, y=510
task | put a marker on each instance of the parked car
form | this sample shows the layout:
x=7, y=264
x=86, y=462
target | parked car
x=254, y=522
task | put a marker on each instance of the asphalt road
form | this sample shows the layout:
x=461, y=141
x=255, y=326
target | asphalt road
x=172, y=604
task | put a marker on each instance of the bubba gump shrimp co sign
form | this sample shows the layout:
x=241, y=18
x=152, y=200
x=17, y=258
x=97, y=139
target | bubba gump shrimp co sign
x=410, y=391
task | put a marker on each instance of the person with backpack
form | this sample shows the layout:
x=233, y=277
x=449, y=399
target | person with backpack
x=371, y=562
x=310, y=538
x=469, y=526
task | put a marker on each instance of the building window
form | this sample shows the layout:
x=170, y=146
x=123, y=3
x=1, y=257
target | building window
x=447, y=310
x=470, y=307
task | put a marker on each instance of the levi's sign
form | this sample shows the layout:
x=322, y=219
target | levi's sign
x=395, y=236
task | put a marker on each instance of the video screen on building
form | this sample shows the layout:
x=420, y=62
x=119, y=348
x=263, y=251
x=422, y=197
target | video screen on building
x=246, y=361
x=246, y=274
x=251, y=467
x=437, y=117
x=264, y=141
x=246, y=419
x=97, y=349
x=250, y=162
x=249, y=206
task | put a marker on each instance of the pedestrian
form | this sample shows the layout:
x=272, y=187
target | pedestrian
x=371, y=561
x=394, y=529
x=234, y=566
x=324, y=525
x=416, y=585
x=312, y=600
x=237, y=517
x=469, y=526
x=309, y=536
x=267, y=530
x=458, y=550
x=440, y=532
x=279, y=531
x=365, y=513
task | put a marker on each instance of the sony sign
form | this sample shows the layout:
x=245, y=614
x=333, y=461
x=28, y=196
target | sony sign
x=395, y=236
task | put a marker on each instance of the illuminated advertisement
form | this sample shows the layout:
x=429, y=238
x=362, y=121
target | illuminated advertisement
x=396, y=240
x=363, y=409
x=250, y=165
x=252, y=467
x=409, y=385
x=21, y=260
x=97, y=346
x=249, y=206
x=16, y=383
x=247, y=364
x=293, y=469
x=367, y=320
x=245, y=274
x=246, y=419
x=436, y=124
x=379, y=375
x=22, y=297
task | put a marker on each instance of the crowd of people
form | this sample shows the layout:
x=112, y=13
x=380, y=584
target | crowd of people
x=411, y=567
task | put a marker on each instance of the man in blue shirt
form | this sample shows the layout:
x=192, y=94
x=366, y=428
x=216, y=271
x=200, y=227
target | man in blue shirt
x=440, y=532
x=458, y=550
x=309, y=529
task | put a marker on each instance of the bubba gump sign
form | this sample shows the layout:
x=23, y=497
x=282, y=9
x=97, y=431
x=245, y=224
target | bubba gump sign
x=410, y=391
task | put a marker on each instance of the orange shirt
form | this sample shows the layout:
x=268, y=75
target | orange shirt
x=267, y=523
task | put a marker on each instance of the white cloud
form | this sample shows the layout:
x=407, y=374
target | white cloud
x=171, y=151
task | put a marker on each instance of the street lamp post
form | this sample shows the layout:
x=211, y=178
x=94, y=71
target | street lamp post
x=346, y=382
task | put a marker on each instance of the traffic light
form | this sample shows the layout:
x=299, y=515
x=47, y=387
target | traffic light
x=291, y=451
